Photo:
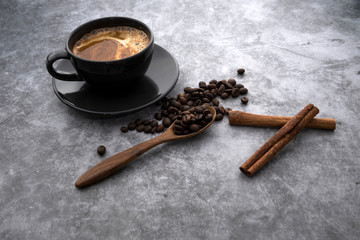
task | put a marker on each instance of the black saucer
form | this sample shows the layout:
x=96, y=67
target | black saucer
x=158, y=81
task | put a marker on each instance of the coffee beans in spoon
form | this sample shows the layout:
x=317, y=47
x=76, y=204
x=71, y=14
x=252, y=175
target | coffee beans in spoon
x=188, y=109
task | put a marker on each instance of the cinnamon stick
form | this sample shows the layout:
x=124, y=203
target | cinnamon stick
x=279, y=140
x=239, y=118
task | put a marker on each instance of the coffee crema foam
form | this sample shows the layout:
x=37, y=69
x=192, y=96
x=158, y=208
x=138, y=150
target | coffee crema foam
x=111, y=43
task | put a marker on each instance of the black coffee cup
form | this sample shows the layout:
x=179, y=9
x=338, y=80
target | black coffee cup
x=103, y=73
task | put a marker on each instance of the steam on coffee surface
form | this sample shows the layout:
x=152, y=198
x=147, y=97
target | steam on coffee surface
x=113, y=43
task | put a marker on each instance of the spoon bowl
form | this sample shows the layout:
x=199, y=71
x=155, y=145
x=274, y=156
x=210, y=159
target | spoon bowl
x=113, y=164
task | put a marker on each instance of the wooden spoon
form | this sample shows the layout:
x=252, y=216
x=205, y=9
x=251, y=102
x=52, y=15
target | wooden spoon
x=113, y=164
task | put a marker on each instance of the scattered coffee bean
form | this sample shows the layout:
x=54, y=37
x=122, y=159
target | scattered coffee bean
x=227, y=110
x=202, y=84
x=239, y=85
x=160, y=128
x=124, y=129
x=131, y=126
x=244, y=100
x=215, y=102
x=154, y=123
x=221, y=89
x=235, y=92
x=243, y=90
x=147, y=129
x=140, y=128
x=153, y=130
x=224, y=95
x=211, y=86
x=182, y=100
x=241, y=71
x=138, y=121
x=166, y=121
x=232, y=81
x=101, y=150
x=219, y=117
x=213, y=81
x=158, y=116
x=146, y=122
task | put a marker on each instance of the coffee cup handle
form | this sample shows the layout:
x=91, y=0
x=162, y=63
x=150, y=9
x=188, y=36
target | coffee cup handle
x=53, y=57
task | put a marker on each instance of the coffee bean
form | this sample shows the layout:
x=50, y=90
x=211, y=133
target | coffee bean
x=209, y=96
x=183, y=100
x=194, y=95
x=205, y=100
x=228, y=91
x=227, y=84
x=177, y=104
x=189, y=90
x=215, y=102
x=244, y=100
x=198, y=110
x=124, y=129
x=101, y=150
x=164, y=113
x=232, y=81
x=214, y=92
x=140, y=128
x=227, y=110
x=165, y=105
x=158, y=103
x=197, y=102
x=243, y=90
x=173, y=118
x=194, y=127
x=187, y=96
x=177, y=132
x=235, y=92
x=146, y=122
x=160, y=128
x=224, y=95
x=208, y=117
x=198, y=117
x=147, y=129
x=213, y=81
x=180, y=95
x=221, y=89
x=131, y=126
x=241, y=71
x=211, y=86
x=166, y=121
x=202, y=84
x=158, y=116
x=190, y=103
x=219, y=117
x=221, y=110
x=186, y=119
x=239, y=85
x=172, y=110
x=154, y=123
x=186, y=107
x=153, y=130
x=179, y=127
x=138, y=121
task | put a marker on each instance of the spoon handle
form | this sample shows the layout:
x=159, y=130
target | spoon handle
x=112, y=164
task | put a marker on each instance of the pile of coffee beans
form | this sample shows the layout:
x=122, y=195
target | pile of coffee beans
x=192, y=120
x=188, y=109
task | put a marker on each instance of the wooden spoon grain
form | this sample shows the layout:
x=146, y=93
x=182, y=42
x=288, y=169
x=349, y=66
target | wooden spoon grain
x=113, y=164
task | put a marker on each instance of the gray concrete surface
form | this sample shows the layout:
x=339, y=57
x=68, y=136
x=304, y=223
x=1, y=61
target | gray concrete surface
x=294, y=52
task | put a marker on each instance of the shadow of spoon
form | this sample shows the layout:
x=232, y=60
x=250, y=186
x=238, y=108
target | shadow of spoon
x=113, y=164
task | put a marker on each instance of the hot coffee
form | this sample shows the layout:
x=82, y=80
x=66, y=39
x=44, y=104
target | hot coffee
x=111, y=43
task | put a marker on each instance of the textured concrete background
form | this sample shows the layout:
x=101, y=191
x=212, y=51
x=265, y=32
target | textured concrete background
x=295, y=52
